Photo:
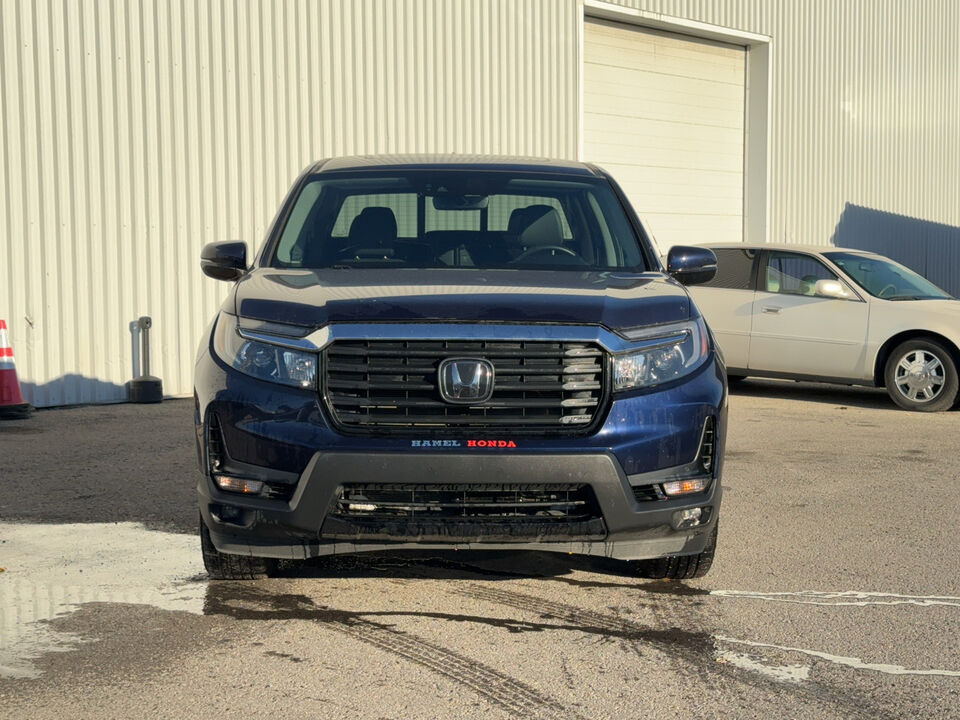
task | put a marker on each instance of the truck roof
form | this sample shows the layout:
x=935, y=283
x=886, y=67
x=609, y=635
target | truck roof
x=451, y=161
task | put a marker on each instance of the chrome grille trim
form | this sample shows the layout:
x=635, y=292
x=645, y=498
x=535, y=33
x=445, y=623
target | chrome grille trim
x=541, y=387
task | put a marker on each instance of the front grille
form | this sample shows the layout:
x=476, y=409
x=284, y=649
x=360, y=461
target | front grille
x=539, y=387
x=457, y=512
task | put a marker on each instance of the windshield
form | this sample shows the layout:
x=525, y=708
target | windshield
x=458, y=219
x=886, y=279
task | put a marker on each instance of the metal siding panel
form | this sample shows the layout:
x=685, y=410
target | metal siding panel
x=865, y=108
x=134, y=132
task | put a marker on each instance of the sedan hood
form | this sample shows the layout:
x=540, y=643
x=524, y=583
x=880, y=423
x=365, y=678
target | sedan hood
x=316, y=298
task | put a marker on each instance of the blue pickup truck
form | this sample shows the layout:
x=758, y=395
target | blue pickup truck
x=457, y=352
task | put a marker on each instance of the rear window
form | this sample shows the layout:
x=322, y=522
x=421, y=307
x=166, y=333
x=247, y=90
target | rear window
x=435, y=219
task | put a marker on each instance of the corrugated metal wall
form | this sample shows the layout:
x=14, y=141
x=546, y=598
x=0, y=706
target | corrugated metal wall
x=865, y=111
x=136, y=131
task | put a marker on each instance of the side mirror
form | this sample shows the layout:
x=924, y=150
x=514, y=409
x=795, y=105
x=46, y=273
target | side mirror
x=832, y=289
x=224, y=260
x=691, y=265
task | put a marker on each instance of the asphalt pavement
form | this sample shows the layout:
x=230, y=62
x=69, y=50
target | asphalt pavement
x=835, y=592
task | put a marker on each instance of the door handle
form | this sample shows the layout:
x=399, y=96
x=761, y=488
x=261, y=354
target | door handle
x=771, y=309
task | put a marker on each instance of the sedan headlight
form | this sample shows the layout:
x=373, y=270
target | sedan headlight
x=264, y=361
x=671, y=352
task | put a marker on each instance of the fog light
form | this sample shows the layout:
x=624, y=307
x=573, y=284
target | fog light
x=691, y=517
x=685, y=487
x=238, y=485
x=228, y=512
x=361, y=507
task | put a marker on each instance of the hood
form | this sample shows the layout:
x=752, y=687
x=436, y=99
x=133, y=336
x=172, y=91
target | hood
x=942, y=316
x=318, y=297
x=947, y=307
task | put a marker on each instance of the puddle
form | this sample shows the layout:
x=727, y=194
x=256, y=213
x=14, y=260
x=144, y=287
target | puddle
x=672, y=587
x=49, y=570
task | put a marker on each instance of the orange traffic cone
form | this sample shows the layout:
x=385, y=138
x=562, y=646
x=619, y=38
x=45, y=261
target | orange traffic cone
x=11, y=400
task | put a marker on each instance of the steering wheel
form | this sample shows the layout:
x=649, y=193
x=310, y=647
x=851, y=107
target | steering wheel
x=542, y=248
x=888, y=286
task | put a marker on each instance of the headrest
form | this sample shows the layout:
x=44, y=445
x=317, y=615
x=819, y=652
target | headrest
x=374, y=226
x=518, y=221
x=542, y=227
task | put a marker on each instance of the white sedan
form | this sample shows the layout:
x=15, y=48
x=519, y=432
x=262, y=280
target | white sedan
x=835, y=315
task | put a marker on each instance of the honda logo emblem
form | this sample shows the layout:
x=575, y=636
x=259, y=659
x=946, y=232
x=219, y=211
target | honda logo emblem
x=466, y=381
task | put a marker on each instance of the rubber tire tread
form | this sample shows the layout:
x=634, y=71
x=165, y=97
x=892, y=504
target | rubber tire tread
x=221, y=566
x=680, y=567
x=949, y=395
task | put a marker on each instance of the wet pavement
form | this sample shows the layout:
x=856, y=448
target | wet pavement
x=835, y=593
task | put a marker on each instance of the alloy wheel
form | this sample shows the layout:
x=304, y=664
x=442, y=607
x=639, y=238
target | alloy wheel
x=919, y=376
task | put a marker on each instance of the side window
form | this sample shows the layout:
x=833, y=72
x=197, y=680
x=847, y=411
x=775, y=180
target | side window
x=403, y=206
x=290, y=249
x=793, y=273
x=734, y=269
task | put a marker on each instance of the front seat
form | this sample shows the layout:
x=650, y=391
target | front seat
x=542, y=231
x=518, y=221
x=373, y=233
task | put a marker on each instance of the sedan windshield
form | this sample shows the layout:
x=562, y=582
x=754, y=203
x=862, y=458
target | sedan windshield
x=886, y=279
x=458, y=219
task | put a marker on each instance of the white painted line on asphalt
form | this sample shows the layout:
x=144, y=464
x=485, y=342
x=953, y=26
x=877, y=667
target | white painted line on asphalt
x=852, y=662
x=856, y=598
x=781, y=673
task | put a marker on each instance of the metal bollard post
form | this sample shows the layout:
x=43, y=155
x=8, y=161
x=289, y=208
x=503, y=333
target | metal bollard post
x=145, y=388
x=144, y=324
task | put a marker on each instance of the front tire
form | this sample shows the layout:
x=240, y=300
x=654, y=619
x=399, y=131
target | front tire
x=679, y=567
x=221, y=566
x=921, y=375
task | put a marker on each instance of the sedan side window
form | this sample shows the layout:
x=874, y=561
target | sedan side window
x=793, y=273
x=734, y=268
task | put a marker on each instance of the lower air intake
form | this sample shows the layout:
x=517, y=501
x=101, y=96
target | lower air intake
x=460, y=513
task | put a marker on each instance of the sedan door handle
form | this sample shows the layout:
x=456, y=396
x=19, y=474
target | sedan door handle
x=771, y=309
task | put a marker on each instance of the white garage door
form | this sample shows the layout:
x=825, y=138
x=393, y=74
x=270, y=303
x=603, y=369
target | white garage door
x=663, y=113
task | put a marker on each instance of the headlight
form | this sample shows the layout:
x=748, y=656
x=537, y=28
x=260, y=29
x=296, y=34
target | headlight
x=263, y=360
x=671, y=352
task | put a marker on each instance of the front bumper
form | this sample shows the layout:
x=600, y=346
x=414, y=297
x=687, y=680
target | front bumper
x=281, y=434
x=303, y=527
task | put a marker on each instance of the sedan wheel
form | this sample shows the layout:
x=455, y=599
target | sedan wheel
x=921, y=375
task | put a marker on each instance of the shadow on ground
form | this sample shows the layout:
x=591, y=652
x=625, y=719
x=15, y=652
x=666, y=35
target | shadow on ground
x=486, y=565
x=839, y=395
